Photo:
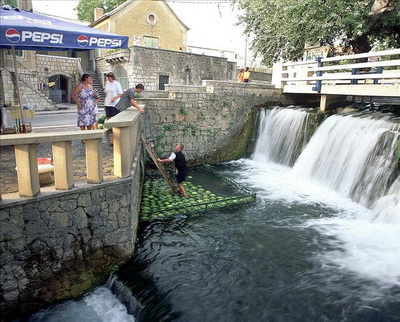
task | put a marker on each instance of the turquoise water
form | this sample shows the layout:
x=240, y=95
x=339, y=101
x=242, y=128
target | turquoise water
x=285, y=258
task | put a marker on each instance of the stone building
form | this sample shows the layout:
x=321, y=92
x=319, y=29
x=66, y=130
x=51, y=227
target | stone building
x=147, y=23
x=156, y=68
x=37, y=69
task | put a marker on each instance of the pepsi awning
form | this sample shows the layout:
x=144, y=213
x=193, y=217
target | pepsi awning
x=30, y=31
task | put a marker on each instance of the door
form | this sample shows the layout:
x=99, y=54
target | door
x=162, y=80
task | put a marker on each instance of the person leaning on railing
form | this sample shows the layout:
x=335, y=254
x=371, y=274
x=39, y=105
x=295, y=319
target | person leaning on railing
x=128, y=99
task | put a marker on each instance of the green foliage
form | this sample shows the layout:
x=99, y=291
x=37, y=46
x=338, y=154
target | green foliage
x=85, y=8
x=283, y=27
x=112, y=270
x=169, y=127
x=183, y=111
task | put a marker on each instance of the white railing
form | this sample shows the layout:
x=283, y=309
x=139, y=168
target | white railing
x=126, y=127
x=319, y=76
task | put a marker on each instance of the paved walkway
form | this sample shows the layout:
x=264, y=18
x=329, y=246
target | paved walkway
x=8, y=174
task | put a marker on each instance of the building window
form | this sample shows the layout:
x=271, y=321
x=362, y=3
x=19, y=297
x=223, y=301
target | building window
x=122, y=77
x=151, y=42
x=151, y=18
x=162, y=80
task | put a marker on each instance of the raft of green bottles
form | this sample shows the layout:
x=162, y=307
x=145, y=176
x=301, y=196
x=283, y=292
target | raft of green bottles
x=158, y=200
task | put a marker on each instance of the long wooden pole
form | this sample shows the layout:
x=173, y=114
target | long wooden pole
x=18, y=91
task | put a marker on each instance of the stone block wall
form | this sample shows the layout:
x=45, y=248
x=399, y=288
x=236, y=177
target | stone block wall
x=31, y=97
x=48, y=66
x=215, y=124
x=145, y=65
x=60, y=245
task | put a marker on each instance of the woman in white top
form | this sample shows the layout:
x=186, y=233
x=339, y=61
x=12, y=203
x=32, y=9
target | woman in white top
x=112, y=89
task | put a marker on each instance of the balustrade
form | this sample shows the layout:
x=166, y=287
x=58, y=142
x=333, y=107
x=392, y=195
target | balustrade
x=126, y=127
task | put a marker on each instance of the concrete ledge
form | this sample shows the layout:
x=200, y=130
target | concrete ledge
x=254, y=84
x=125, y=118
x=184, y=88
x=35, y=138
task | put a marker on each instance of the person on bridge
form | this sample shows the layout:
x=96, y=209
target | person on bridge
x=246, y=75
x=240, y=77
x=128, y=99
x=83, y=95
x=180, y=165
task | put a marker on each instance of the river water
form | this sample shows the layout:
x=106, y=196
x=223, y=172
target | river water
x=321, y=243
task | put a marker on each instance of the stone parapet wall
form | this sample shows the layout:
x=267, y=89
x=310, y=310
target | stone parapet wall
x=145, y=65
x=61, y=244
x=215, y=125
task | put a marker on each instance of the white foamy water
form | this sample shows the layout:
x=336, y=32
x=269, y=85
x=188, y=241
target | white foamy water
x=97, y=306
x=352, y=155
x=107, y=306
x=361, y=245
x=349, y=159
x=285, y=130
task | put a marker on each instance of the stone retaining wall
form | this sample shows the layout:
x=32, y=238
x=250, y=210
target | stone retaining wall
x=145, y=65
x=215, y=124
x=61, y=244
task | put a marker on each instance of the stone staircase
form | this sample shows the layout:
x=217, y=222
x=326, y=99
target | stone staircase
x=97, y=85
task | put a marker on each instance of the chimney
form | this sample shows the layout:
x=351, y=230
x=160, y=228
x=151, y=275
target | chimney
x=98, y=12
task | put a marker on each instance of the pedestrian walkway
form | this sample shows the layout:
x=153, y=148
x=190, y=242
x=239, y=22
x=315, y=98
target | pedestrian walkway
x=8, y=174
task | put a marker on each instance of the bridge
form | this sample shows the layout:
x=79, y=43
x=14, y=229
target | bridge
x=374, y=74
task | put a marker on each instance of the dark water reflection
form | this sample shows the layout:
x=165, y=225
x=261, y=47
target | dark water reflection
x=257, y=263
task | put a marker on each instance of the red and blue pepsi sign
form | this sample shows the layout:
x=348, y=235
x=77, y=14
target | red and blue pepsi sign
x=13, y=35
x=27, y=30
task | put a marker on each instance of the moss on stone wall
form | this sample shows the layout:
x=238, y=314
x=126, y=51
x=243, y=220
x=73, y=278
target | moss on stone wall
x=235, y=148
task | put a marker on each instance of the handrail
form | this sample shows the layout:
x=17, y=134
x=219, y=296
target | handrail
x=348, y=57
x=126, y=129
x=36, y=138
x=376, y=72
x=345, y=77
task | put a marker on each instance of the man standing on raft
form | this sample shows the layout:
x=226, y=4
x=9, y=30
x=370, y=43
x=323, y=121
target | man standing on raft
x=180, y=164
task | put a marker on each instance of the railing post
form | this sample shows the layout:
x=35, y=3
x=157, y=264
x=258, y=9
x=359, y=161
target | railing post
x=277, y=75
x=27, y=170
x=62, y=161
x=122, y=151
x=318, y=83
x=94, y=160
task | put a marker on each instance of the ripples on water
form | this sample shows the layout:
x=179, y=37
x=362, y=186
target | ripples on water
x=301, y=253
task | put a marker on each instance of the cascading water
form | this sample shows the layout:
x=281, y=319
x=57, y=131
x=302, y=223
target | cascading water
x=387, y=208
x=284, y=133
x=352, y=155
x=301, y=252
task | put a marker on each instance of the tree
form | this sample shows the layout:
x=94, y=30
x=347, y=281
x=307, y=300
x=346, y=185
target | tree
x=283, y=27
x=85, y=8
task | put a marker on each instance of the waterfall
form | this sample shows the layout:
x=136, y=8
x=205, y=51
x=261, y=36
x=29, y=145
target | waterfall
x=387, y=208
x=125, y=296
x=282, y=134
x=354, y=155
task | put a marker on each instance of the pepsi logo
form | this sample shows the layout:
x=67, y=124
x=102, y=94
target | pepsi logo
x=83, y=41
x=12, y=35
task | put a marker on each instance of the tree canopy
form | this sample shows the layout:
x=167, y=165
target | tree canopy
x=85, y=8
x=282, y=28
